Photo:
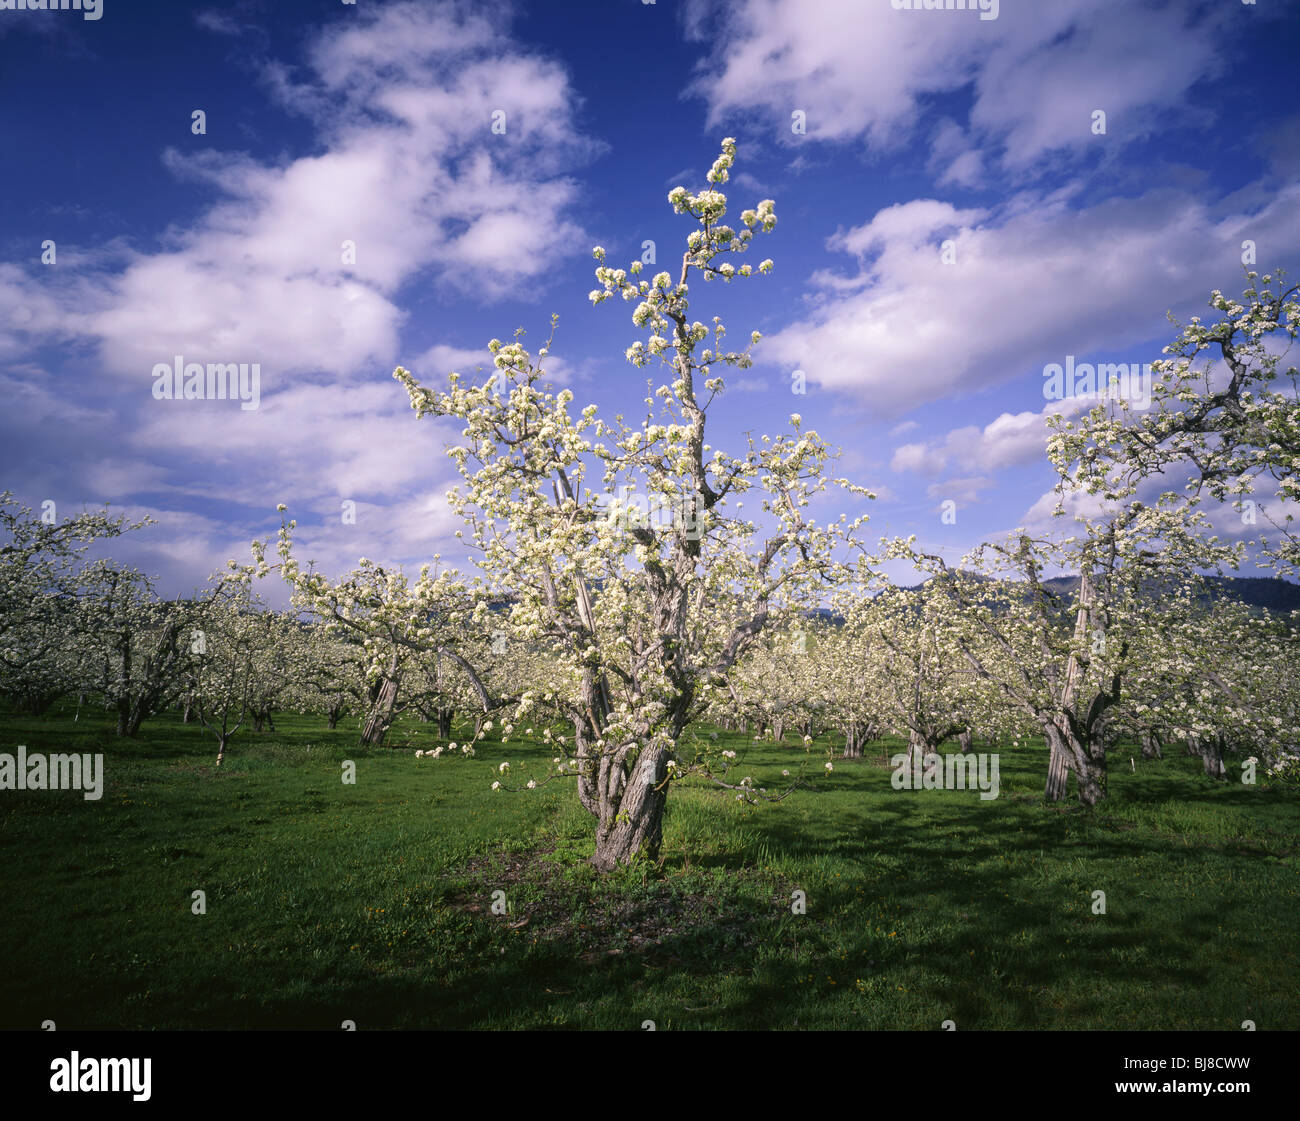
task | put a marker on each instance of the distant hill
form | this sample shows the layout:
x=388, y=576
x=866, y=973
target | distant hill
x=1267, y=592
x=1262, y=593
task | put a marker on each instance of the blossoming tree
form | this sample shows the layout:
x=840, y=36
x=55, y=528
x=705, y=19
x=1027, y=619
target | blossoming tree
x=224, y=668
x=918, y=677
x=1062, y=661
x=142, y=648
x=1230, y=425
x=396, y=620
x=44, y=581
x=648, y=614
x=1219, y=677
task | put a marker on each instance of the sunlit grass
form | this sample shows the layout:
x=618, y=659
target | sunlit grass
x=371, y=902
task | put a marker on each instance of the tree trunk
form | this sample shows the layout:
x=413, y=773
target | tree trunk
x=444, y=722
x=381, y=714
x=632, y=810
x=1078, y=742
x=967, y=741
x=1091, y=776
x=1058, y=767
x=1086, y=760
x=1210, y=749
x=129, y=718
x=1151, y=744
x=853, y=744
x=917, y=750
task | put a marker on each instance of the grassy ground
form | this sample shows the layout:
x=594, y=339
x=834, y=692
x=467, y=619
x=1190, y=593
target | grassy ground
x=373, y=902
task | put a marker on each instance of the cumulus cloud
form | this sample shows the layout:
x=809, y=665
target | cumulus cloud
x=298, y=264
x=953, y=158
x=302, y=265
x=1011, y=440
x=1032, y=282
x=442, y=359
x=341, y=440
x=389, y=533
x=1035, y=73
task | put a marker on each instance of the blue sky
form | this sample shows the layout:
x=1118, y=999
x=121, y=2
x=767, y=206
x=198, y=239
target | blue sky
x=371, y=122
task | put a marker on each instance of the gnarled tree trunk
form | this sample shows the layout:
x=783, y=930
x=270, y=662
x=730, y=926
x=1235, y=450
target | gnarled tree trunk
x=623, y=788
x=381, y=714
x=631, y=821
x=1086, y=758
x=1058, y=766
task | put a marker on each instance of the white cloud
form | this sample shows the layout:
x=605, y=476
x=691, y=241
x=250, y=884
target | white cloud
x=34, y=400
x=961, y=491
x=953, y=158
x=1033, y=282
x=440, y=360
x=916, y=457
x=1036, y=72
x=302, y=443
x=404, y=165
x=410, y=173
x=1011, y=440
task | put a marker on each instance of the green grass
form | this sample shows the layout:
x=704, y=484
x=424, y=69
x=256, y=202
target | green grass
x=372, y=902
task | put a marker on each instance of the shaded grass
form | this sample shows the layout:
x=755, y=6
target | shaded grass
x=372, y=902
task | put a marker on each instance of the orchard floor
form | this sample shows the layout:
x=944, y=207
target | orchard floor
x=328, y=902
